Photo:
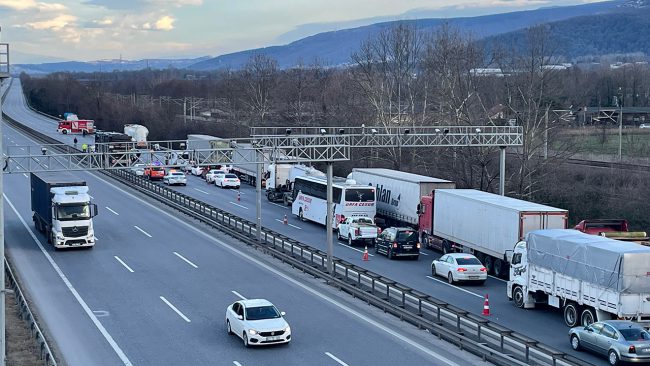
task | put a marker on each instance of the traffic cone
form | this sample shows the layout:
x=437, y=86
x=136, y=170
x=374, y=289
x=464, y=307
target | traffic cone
x=238, y=196
x=486, y=306
x=286, y=220
x=365, y=254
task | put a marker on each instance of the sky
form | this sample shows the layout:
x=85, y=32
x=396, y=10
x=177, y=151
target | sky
x=87, y=30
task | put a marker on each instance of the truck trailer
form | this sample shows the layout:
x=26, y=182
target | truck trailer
x=591, y=278
x=138, y=134
x=398, y=193
x=62, y=209
x=484, y=224
x=280, y=179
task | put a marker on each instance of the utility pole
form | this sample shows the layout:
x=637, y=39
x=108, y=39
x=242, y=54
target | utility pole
x=4, y=75
x=620, y=125
x=502, y=170
x=546, y=134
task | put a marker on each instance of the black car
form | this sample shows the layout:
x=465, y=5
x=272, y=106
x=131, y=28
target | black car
x=398, y=242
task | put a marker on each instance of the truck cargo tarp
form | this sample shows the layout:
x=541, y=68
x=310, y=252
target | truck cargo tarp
x=622, y=266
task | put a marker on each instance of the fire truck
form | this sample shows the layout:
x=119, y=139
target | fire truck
x=71, y=124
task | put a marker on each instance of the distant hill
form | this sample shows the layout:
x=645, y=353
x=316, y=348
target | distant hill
x=334, y=48
x=104, y=65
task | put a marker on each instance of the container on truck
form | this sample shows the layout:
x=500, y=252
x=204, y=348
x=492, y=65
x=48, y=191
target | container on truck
x=398, y=193
x=62, y=209
x=591, y=278
x=484, y=224
x=138, y=134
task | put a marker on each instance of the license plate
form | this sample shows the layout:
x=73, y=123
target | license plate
x=276, y=338
x=473, y=277
x=408, y=247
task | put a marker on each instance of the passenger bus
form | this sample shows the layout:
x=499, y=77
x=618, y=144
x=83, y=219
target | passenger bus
x=349, y=199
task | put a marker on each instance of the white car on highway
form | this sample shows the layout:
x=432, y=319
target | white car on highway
x=196, y=170
x=209, y=176
x=227, y=180
x=257, y=322
x=175, y=177
x=459, y=267
x=138, y=169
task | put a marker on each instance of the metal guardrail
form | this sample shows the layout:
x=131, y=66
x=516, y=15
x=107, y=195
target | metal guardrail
x=45, y=353
x=469, y=332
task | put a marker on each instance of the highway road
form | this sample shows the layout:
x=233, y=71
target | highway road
x=154, y=289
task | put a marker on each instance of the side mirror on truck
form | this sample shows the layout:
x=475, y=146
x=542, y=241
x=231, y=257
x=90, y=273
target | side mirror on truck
x=94, y=210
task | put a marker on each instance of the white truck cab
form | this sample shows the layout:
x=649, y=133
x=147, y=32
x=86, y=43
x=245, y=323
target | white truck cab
x=72, y=214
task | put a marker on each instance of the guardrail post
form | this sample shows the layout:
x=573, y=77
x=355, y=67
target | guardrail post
x=502, y=335
x=480, y=323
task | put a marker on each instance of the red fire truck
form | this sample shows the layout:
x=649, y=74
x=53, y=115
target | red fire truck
x=76, y=126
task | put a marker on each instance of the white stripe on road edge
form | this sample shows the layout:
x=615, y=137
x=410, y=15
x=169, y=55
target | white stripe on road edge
x=186, y=260
x=110, y=209
x=276, y=204
x=353, y=248
x=176, y=310
x=423, y=253
x=456, y=287
x=124, y=264
x=288, y=278
x=336, y=359
x=238, y=205
x=497, y=278
x=294, y=226
x=142, y=231
x=236, y=363
x=202, y=191
x=81, y=301
x=238, y=295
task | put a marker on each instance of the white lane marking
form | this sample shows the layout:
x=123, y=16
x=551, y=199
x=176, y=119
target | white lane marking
x=142, y=231
x=238, y=205
x=124, y=264
x=456, y=287
x=336, y=359
x=423, y=253
x=353, y=248
x=175, y=309
x=186, y=260
x=238, y=295
x=236, y=363
x=25, y=175
x=288, y=278
x=497, y=278
x=110, y=209
x=293, y=226
x=279, y=205
x=65, y=280
x=202, y=191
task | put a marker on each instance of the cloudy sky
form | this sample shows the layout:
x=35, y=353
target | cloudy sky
x=86, y=30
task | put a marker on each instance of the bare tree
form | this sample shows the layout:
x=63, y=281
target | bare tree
x=260, y=75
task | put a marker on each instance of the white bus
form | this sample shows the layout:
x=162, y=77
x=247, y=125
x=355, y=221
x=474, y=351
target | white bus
x=349, y=199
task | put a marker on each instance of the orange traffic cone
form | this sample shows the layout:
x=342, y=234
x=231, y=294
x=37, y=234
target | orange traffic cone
x=486, y=305
x=286, y=220
x=238, y=196
x=365, y=254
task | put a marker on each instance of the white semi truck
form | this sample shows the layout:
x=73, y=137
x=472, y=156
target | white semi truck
x=591, y=278
x=62, y=209
x=280, y=179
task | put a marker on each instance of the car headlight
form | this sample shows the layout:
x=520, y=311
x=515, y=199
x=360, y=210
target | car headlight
x=287, y=329
x=252, y=331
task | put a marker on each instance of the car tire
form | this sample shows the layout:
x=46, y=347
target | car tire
x=390, y=254
x=433, y=270
x=245, y=339
x=612, y=358
x=570, y=313
x=450, y=278
x=587, y=317
x=518, y=296
x=228, y=327
x=376, y=248
x=575, y=343
x=350, y=241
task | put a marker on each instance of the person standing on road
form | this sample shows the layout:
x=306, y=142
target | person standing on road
x=84, y=147
x=75, y=142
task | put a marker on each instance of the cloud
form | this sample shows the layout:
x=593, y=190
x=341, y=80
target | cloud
x=140, y=4
x=30, y=5
x=56, y=23
x=165, y=23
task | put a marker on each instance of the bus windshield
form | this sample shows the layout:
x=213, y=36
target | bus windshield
x=359, y=195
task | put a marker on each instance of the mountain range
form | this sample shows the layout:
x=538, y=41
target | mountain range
x=601, y=28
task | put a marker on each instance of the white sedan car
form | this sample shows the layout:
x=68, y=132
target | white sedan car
x=172, y=178
x=196, y=170
x=138, y=169
x=209, y=176
x=459, y=267
x=227, y=180
x=257, y=322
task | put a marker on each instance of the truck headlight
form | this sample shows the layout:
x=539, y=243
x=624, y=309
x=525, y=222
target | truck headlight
x=60, y=235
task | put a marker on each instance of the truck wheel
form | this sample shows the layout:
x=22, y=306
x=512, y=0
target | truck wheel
x=350, y=241
x=571, y=314
x=65, y=132
x=518, y=296
x=446, y=247
x=499, y=268
x=270, y=196
x=587, y=317
x=489, y=264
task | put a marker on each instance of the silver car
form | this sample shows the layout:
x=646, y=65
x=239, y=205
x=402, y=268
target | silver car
x=619, y=340
x=172, y=178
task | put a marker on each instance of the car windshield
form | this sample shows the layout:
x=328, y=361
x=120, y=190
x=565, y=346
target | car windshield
x=262, y=312
x=407, y=236
x=231, y=176
x=364, y=221
x=73, y=212
x=468, y=261
x=635, y=334
x=178, y=174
